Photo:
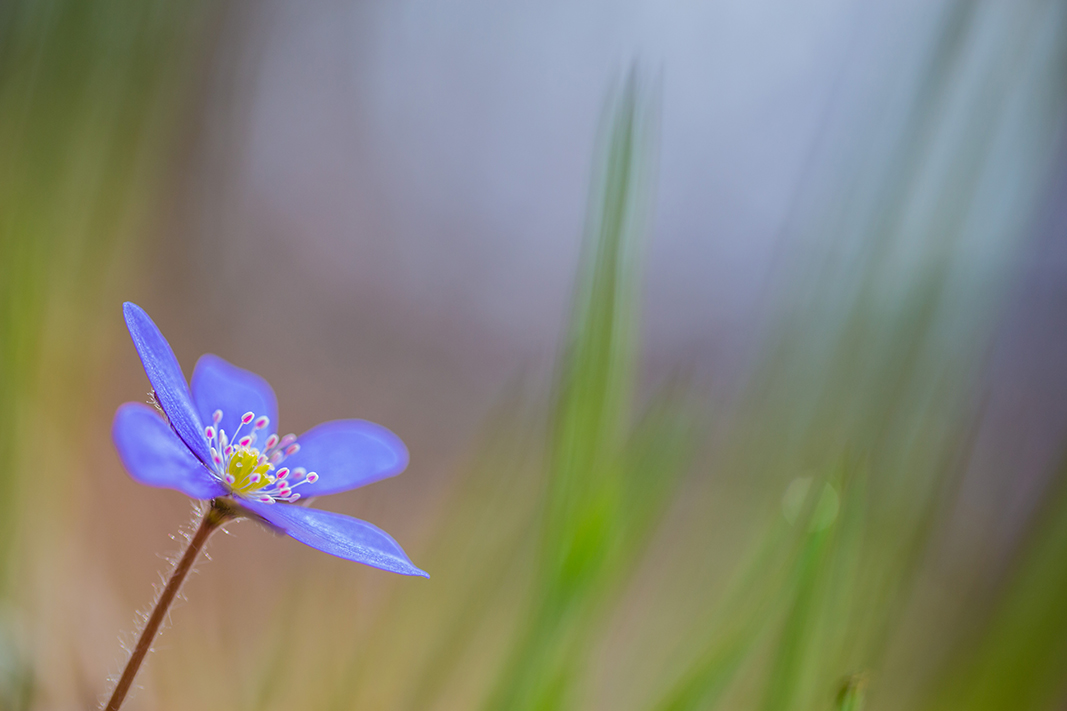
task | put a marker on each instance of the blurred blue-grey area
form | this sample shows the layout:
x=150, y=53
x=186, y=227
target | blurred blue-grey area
x=728, y=341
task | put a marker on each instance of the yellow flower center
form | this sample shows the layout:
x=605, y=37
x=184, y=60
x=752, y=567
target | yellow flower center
x=248, y=473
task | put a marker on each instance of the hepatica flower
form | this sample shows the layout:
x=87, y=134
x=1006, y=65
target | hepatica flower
x=218, y=441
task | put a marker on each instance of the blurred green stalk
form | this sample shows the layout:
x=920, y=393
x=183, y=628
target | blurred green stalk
x=92, y=100
x=608, y=477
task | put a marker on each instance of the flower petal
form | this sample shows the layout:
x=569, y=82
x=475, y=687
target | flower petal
x=347, y=454
x=154, y=455
x=220, y=385
x=336, y=534
x=166, y=377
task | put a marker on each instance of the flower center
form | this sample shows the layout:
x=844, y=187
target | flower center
x=250, y=473
x=245, y=473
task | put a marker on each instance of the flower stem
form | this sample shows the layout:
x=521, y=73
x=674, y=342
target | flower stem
x=217, y=514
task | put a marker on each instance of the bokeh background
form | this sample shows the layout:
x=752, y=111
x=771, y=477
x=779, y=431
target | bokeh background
x=728, y=340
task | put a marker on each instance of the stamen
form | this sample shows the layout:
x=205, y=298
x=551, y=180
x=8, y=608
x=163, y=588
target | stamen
x=216, y=416
x=302, y=477
x=249, y=471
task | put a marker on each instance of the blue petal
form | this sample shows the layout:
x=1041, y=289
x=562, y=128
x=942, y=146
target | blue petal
x=154, y=455
x=219, y=385
x=347, y=454
x=166, y=377
x=342, y=536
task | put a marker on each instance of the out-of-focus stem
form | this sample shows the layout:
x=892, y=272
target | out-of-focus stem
x=219, y=513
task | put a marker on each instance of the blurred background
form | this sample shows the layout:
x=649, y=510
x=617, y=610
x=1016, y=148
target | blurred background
x=727, y=338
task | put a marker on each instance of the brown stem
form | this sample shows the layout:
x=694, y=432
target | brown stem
x=219, y=513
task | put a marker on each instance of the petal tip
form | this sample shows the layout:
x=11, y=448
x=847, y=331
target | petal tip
x=338, y=535
x=131, y=311
x=408, y=570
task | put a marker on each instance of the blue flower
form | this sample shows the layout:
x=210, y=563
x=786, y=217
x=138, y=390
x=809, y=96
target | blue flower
x=238, y=455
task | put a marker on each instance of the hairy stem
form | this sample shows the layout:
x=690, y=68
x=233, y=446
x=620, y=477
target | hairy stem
x=220, y=512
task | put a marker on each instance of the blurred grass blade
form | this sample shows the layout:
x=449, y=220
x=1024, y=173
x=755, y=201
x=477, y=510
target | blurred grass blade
x=598, y=500
x=853, y=694
x=1017, y=658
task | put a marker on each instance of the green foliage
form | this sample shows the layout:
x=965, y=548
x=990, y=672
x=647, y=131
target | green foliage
x=834, y=475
